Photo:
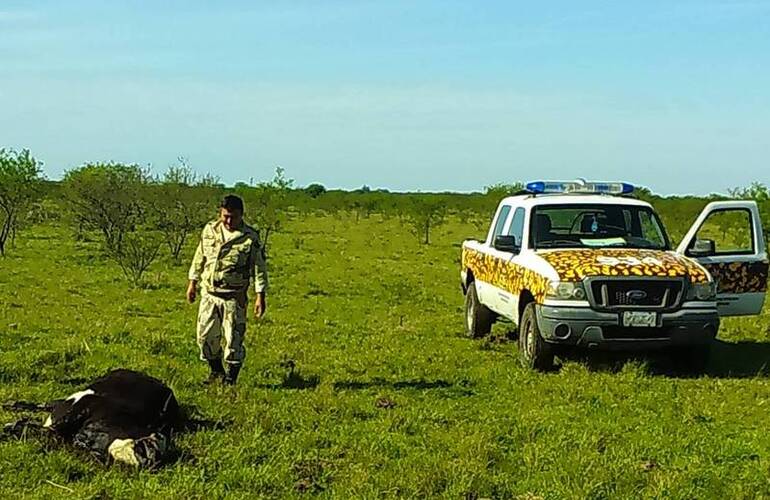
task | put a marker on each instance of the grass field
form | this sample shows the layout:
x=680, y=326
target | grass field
x=386, y=397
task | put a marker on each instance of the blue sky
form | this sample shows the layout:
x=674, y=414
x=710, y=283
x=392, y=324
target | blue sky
x=407, y=95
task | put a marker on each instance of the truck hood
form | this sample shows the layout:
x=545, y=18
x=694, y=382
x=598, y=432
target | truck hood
x=576, y=264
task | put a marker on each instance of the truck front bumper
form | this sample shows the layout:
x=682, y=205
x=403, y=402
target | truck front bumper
x=585, y=327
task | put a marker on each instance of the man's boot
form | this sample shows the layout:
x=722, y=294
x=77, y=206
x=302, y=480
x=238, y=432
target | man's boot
x=232, y=374
x=217, y=372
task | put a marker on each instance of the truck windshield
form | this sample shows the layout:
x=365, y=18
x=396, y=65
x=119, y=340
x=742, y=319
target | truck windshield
x=596, y=226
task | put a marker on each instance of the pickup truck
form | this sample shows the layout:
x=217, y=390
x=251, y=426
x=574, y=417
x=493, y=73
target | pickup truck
x=585, y=265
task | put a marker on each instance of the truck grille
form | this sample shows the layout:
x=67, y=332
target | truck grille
x=623, y=293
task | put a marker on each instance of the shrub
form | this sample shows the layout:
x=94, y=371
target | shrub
x=20, y=187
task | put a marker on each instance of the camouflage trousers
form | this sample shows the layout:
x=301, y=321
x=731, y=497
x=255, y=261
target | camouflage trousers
x=222, y=319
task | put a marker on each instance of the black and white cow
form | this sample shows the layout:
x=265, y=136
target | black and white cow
x=124, y=416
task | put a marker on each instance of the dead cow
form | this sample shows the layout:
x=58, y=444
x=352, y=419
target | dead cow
x=125, y=416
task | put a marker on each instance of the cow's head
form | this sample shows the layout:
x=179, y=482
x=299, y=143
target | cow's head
x=145, y=453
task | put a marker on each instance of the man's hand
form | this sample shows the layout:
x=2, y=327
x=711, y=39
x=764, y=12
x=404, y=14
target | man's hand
x=192, y=291
x=259, y=305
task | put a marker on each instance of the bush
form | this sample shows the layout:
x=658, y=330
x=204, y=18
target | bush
x=422, y=215
x=108, y=197
x=181, y=208
x=137, y=251
x=20, y=186
x=315, y=190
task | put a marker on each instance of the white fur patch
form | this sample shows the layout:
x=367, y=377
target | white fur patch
x=78, y=395
x=122, y=450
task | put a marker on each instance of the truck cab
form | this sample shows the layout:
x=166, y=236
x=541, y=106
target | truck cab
x=583, y=265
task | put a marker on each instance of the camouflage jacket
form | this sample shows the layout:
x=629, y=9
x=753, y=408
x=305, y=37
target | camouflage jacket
x=224, y=266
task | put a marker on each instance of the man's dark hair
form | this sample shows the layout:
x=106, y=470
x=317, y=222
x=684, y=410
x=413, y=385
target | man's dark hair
x=232, y=202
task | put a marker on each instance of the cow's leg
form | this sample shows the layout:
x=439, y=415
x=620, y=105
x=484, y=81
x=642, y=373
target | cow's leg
x=21, y=428
x=234, y=329
x=28, y=406
x=209, y=335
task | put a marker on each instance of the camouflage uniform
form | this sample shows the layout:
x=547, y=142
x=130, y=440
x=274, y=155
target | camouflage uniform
x=223, y=265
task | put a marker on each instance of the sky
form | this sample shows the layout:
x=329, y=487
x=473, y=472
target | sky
x=428, y=95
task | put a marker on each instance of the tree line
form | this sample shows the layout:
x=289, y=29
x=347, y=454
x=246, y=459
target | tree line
x=138, y=214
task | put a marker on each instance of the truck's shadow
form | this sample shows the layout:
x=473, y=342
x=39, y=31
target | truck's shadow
x=739, y=360
x=727, y=360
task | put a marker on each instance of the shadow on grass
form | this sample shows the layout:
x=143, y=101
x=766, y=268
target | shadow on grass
x=294, y=380
x=419, y=384
x=193, y=421
x=727, y=360
x=739, y=360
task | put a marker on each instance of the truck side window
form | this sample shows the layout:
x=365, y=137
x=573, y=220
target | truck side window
x=517, y=226
x=731, y=231
x=500, y=223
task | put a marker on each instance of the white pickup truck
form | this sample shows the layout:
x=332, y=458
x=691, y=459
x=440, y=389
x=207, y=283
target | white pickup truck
x=576, y=264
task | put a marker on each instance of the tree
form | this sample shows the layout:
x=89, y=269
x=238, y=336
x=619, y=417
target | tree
x=210, y=181
x=363, y=205
x=423, y=215
x=20, y=186
x=180, y=174
x=315, y=190
x=501, y=189
x=118, y=201
x=180, y=207
x=280, y=182
x=107, y=197
x=269, y=200
x=138, y=250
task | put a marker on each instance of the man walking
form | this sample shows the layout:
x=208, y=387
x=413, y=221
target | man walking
x=229, y=255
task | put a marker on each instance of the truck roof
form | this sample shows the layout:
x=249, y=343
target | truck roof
x=530, y=200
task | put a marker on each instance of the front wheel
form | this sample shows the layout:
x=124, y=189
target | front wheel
x=478, y=318
x=534, y=352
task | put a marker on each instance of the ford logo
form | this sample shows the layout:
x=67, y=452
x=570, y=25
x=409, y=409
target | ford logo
x=636, y=295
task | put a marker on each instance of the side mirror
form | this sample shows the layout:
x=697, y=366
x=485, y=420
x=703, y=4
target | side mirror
x=505, y=243
x=703, y=248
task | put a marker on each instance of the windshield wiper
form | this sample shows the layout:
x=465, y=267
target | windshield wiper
x=558, y=243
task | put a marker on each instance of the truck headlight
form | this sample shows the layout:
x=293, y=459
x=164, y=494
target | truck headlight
x=702, y=291
x=566, y=290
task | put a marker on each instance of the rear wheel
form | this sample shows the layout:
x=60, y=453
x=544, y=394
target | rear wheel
x=478, y=318
x=534, y=352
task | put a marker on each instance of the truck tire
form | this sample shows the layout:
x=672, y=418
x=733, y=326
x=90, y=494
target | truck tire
x=534, y=352
x=478, y=318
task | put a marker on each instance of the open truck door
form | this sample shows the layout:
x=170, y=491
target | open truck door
x=727, y=240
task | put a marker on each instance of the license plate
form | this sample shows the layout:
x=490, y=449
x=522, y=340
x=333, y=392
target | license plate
x=640, y=318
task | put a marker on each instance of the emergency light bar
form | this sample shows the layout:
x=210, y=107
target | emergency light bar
x=544, y=187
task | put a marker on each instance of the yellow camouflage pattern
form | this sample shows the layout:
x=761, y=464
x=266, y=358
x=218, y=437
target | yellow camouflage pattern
x=739, y=277
x=504, y=274
x=576, y=264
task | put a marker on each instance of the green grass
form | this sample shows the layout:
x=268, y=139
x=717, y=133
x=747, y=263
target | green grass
x=387, y=399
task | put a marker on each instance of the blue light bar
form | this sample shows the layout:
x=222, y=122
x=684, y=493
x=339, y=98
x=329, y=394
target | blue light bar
x=543, y=187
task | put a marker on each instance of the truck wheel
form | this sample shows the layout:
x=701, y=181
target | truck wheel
x=534, y=352
x=478, y=318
